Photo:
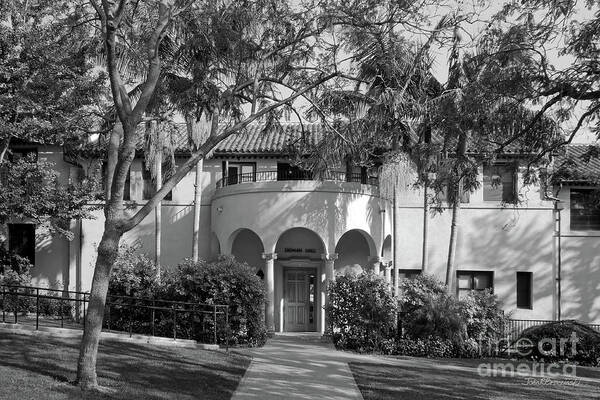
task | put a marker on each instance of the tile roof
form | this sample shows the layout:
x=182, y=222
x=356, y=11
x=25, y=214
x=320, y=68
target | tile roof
x=578, y=167
x=274, y=141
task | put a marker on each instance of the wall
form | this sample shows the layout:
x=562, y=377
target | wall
x=580, y=267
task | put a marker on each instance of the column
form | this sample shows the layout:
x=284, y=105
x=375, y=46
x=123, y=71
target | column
x=270, y=278
x=329, y=277
x=375, y=263
x=387, y=271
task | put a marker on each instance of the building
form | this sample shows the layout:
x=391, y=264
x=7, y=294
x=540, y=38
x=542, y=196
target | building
x=540, y=257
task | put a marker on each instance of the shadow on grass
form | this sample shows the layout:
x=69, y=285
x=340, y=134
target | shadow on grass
x=42, y=366
x=377, y=381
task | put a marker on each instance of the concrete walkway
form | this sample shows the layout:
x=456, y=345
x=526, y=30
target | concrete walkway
x=297, y=366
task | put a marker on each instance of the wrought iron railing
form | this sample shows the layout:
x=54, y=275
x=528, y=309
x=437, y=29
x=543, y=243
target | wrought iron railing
x=515, y=327
x=205, y=323
x=296, y=175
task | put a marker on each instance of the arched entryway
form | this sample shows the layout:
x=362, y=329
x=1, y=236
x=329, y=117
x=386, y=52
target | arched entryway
x=354, y=251
x=247, y=247
x=299, y=281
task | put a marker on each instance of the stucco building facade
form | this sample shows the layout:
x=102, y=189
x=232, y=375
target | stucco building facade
x=298, y=232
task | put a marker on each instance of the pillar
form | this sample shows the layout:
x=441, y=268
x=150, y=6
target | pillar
x=270, y=278
x=329, y=277
x=387, y=271
x=374, y=263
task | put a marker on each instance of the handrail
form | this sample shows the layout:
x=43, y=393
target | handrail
x=296, y=175
x=12, y=293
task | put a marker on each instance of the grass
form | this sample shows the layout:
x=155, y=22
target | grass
x=36, y=367
x=459, y=379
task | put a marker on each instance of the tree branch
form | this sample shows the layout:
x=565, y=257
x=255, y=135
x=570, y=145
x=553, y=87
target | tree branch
x=204, y=149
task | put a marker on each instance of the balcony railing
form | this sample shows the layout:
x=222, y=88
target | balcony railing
x=272, y=176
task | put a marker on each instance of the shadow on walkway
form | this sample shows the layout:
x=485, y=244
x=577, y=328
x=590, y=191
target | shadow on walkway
x=297, y=366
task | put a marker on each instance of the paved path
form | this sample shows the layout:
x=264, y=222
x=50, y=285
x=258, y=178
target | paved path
x=297, y=366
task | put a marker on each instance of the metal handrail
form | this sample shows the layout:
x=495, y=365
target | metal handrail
x=13, y=292
x=296, y=175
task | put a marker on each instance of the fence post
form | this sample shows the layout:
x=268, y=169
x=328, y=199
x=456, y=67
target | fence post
x=84, y=311
x=3, y=304
x=16, y=306
x=153, y=316
x=108, y=319
x=62, y=312
x=214, y=324
x=174, y=322
x=37, y=309
x=130, y=319
x=227, y=328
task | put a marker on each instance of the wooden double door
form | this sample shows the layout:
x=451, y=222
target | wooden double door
x=300, y=306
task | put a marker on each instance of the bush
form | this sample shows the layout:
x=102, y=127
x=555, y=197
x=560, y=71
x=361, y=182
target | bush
x=581, y=343
x=14, y=271
x=361, y=312
x=224, y=281
x=428, y=310
x=427, y=347
x=485, y=319
x=134, y=274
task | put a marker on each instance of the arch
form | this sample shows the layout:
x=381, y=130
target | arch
x=386, y=250
x=247, y=247
x=354, y=249
x=300, y=243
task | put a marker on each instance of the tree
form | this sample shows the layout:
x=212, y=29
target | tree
x=230, y=64
x=49, y=92
x=32, y=191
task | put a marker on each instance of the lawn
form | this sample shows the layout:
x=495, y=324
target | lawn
x=36, y=367
x=458, y=379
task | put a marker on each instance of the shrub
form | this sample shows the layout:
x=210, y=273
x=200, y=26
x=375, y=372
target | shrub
x=133, y=274
x=581, y=343
x=485, y=319
x=224, y=281
x=361, y=312
x=14, y=271
x=427, y=347
x=427, y=310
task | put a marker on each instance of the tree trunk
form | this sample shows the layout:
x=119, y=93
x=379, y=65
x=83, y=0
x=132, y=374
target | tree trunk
x=396, y=239
x=197, y=209
x=158, y=214
x=107, y=254
x=424, y=259
x=452, y=245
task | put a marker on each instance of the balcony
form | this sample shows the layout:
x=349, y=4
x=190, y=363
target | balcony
x=273, y=176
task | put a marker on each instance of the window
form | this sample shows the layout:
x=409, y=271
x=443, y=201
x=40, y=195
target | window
x=524, y=298
x=473, y=280
x=21, y=240
x=585, y=210
x=240, y=172
x=408, y=273
x=499, y=183
x=442, y=196
x=150, y=186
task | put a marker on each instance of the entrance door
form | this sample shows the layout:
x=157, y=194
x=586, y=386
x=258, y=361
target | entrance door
x=300, y=287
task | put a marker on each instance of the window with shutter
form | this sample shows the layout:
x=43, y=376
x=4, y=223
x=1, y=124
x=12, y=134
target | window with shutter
x=21, y=240
x=499, y=183
x=585, y=209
